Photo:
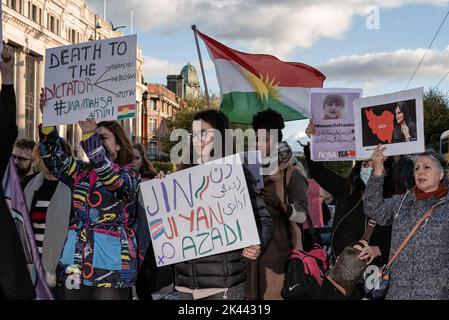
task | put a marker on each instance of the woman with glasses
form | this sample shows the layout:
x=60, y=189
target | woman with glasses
x=221, y=276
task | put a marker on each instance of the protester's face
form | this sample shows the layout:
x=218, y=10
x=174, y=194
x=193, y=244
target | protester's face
x=332, y=109
x=203, y=138
x=367, y=164
x=22, y=160
x=427, y=174
x=110, y=141
x=137, y=162
x=399, y=116
x=265, y=141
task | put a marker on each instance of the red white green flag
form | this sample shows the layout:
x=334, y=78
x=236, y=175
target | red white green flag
x=250, y=83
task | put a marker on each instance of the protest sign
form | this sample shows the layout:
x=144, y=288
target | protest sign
x=91, y=80
x=200, y=211
x=394, y=120
x=332, y=113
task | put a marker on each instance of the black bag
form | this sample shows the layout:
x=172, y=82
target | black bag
x=348, y=269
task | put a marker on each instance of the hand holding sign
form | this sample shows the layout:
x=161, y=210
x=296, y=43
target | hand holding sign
x=251, y=252
x=311, y=129
x=378, y=160
x=88, y=126
x=7, y=65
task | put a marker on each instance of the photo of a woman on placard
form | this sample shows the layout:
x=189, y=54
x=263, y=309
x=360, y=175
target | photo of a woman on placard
x=333, y=106
x=404, y=128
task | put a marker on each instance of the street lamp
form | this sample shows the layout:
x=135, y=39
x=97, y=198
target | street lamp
x=97, y=26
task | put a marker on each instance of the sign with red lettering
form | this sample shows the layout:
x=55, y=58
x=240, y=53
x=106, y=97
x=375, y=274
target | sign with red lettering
x=94, y=79
x=199, y=212
x=395, y=120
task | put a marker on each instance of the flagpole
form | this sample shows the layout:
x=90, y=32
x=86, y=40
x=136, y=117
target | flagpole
x=201, y=64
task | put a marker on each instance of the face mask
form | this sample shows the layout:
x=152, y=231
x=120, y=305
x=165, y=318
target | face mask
x=365, y=173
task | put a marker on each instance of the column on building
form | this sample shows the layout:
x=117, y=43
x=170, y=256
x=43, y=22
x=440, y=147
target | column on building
x=39, y=84
x=20, y=91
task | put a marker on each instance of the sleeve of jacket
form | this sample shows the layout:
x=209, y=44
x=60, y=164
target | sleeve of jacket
x=297, y=197
x=330, y=181
x=8, y=125
x=122, y=181
x=61, y=164
x=374, y=205
x=263, y=219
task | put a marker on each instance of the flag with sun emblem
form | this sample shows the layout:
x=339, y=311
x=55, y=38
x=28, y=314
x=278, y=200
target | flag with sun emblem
x=250, y=83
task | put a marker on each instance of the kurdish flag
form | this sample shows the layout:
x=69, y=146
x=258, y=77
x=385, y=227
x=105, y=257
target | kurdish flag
x=250, y=83
x=126, y=111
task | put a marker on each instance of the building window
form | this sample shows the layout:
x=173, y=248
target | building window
x=14, y=4
x=52, y=24
x=34, y=13
x=153, y=104
x=152, y=150
x=153, y=126
x=29, y=10
x=57, y=27
x=40, y=16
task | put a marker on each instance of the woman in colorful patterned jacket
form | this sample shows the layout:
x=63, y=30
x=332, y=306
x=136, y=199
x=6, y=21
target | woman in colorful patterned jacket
x=99, y=258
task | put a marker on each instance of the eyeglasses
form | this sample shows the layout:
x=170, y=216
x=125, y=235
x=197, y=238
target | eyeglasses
x=20, y=159
x=202, y=135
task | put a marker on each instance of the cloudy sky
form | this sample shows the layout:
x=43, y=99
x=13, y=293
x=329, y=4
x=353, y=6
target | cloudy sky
x=374, y=45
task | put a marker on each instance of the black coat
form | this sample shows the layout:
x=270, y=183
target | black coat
x=227, y=269
x=15, y=281
x=348, y=226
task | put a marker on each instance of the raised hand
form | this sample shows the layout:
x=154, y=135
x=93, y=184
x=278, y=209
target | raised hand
x=378, y=160
x=88, y=126
x=7, y=65
x=311, y=129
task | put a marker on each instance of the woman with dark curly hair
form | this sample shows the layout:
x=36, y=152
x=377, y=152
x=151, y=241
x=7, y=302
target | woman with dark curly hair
x=404, y=128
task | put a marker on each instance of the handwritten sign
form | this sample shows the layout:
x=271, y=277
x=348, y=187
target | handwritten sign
x=200, y=211
x=332, y=112
x=91, y=80
x=394, y=120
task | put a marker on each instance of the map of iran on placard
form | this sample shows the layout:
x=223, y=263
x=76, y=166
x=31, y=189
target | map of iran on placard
x=381, y=126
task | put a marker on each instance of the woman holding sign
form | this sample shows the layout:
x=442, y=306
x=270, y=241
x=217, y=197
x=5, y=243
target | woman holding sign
x=349, y=221
x=99, y=258
x=226, y=275
x=418, y=266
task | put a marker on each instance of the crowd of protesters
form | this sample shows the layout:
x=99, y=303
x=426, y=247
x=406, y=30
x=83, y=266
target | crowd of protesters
x=91, y=233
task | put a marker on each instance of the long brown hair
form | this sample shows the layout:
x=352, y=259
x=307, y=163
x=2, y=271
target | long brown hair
x=125, y=155
x=147, y=168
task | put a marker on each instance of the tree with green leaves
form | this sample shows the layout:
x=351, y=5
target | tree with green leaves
x=436, y=116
